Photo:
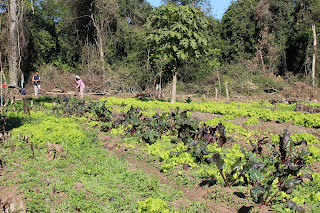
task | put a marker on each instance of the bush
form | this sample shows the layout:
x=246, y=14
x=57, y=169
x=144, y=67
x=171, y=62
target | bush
x=64, y=131
x=48, y=72
x=153, y=205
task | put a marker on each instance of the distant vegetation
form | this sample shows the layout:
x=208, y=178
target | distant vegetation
x=131, y=46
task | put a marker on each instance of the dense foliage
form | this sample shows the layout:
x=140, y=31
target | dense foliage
x=111, y=38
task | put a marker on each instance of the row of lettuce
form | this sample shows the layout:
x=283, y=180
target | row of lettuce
x=260, y=110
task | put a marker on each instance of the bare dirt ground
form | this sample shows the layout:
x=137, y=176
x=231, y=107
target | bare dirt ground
x=11, y=197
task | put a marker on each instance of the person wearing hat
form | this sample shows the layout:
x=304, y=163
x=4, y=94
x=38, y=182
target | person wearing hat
x=80, y=86
x=36, y=83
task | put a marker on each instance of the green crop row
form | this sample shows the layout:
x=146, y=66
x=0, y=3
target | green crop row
x=236, y=109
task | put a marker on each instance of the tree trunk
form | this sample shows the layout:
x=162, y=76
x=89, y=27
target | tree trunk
x=32, y=6
x=262, y=62
x=99, y=42
x=148, y=59
x=13, y=40
x=227, y=91
x=313, y=73
x=160, y=84
x=101, y=53
x=174, y=88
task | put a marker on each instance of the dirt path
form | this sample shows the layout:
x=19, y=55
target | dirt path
x=11, y=197
x=277, y=128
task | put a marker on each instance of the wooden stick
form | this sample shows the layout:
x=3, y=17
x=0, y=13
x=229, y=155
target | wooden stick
x=227, y=91
x=216, y=97
x=219, y=82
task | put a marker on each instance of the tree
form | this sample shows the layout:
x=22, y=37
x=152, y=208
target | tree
x=203, y=5
x=239, y=31
x=314, y=13
x=274, y=19
x=16, y=39
x=13, y=40
x=178, y=33
x=309, y=11
x=103, y=16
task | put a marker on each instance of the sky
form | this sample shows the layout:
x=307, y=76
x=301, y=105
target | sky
x=218, y=6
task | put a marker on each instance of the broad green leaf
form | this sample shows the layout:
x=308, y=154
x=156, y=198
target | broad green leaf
x=256, y=176
x=237, y=165
x=291, y=183
x=295, y=207
x=217, y=159
x=256, y=193
x=175, y=48
x=252, y=157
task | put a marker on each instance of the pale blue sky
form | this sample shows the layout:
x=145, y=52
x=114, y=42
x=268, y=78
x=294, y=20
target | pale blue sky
x=218, y=6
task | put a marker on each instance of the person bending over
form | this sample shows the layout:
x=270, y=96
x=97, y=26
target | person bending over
x=80, y=86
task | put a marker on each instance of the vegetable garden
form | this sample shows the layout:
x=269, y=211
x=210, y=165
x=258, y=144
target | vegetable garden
x=68, y=155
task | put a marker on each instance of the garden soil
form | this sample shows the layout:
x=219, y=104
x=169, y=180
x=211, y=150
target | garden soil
x=11, y=197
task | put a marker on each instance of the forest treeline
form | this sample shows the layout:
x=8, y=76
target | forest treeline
x=132, y=46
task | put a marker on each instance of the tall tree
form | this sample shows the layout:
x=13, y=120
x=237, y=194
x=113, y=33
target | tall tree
x=16, y=39
x=239, y=31
x=275, y=21
x=53, y=36
x=315, y=17
x=178, y=33
x=13, y=40
x=309, y=11
x=103, y=16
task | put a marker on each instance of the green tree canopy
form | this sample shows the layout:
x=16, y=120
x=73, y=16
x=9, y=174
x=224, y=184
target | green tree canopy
x=239, y=30
x=178, y=33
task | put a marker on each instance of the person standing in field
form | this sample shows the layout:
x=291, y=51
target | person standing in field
x=36, y=83
x=80, y=86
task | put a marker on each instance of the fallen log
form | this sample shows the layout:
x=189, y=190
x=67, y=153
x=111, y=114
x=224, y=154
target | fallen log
x=97, y=93
x=60, y=93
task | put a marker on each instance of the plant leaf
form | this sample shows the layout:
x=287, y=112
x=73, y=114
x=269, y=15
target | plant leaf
x=256, y=193
x=175, y=153
x=222, y=134
x=256, y=176
x=292, y=205
x=305, y=176
x=290, y=184
x=217, y=159
x=252, y=165
x=237, y=165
